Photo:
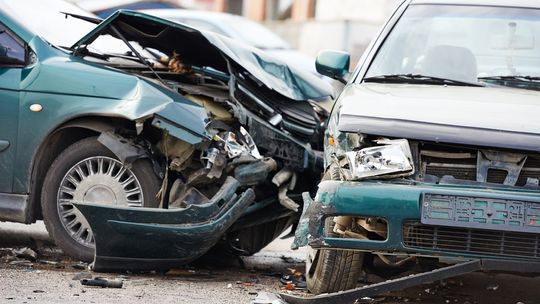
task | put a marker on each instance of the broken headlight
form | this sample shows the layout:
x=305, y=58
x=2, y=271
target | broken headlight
x=391, y=157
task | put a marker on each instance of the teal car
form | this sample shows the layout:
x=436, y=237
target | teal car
x=171, y=141
x=432, y=151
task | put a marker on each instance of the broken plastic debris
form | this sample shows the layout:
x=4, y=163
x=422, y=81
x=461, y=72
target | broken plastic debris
x=80, y=266
x=290, y=286
x=102, y=282
x=25, y=253
x=292, y=282
x=24, y=263
x=264, y=297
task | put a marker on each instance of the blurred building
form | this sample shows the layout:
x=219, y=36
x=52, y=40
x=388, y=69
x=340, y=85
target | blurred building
x=312, y=25
x=309, y=25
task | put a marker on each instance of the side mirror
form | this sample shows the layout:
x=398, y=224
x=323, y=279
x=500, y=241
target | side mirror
x=334, y=64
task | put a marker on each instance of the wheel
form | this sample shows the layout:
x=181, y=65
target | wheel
x=250, y=234
x=251, y=240
x=88, y=172
x=331, y=270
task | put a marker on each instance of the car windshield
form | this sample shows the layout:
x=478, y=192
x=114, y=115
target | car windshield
x=45, y=18
x=471, y=44
x=255, y=34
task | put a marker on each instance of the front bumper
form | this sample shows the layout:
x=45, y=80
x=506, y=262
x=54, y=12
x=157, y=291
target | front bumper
x=132, y=238
x=398, y=204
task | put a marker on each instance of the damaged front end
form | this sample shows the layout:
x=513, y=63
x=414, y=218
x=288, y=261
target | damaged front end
x=233, y=184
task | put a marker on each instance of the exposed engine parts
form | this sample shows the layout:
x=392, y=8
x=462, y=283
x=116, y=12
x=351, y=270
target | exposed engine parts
x=285, y=180
x=255, y=172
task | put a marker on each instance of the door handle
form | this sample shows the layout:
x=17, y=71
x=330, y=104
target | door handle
x=3, y=145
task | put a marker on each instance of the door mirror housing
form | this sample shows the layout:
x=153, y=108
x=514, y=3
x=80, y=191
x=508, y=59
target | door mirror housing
x=334, y=64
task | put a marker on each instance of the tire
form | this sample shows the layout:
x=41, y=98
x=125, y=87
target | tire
x=330, y=270
x=87, y=171
x=253, y=239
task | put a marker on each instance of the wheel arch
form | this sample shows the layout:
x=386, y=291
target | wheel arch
x=55, y=142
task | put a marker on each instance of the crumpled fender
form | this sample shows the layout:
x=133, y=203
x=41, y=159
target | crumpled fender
x=314, y=212
x=131, y=238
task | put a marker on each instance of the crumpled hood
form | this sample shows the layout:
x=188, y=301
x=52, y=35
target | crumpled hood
x=127, y=95
x=486, y=116
x=203, y=48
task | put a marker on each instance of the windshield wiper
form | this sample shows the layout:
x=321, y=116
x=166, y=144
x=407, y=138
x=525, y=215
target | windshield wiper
x=419, y=78
x=512, y=78
x=85, y=18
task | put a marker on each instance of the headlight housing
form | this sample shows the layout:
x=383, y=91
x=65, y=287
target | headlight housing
x=392, y=158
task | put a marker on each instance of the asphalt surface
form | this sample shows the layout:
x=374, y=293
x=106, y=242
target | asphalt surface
x=54, y=278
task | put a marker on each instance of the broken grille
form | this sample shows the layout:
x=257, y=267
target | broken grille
x=474, y=241
x=463, y=164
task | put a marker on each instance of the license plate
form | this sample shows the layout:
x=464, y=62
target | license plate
x=479, y=212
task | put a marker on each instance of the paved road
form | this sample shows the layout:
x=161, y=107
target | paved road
x=216, y=281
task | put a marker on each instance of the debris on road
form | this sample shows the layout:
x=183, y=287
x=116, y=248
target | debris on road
x=102, y=282
x=264, y=297
x=23, y=263
x=293, y=281
x=80, y=266
x=25, y=253
x=51, y=263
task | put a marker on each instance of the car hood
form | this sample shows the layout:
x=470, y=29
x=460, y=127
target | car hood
x=485, y=116
x=203, y=48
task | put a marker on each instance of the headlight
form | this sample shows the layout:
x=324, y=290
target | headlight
x=392, y=157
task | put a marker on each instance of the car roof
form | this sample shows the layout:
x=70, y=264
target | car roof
x=509, y=3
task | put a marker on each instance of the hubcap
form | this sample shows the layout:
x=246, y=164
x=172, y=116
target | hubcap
x=96, y=180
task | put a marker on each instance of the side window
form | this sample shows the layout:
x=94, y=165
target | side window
x=12, y=50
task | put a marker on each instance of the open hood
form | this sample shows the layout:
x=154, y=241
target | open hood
x=201, y=48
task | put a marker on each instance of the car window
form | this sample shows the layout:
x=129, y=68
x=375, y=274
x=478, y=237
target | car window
x=462, y=43
x=12, y=51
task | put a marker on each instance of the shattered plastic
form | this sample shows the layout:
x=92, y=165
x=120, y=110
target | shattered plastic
x=171, y=237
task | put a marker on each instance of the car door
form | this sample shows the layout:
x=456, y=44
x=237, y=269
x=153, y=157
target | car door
x=12, y=60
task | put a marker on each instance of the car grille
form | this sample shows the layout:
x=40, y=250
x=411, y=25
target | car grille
x=474, y=241
x=461, y=164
